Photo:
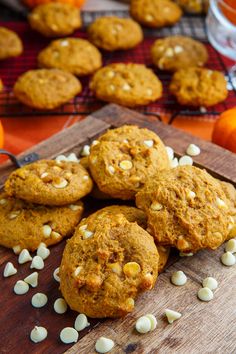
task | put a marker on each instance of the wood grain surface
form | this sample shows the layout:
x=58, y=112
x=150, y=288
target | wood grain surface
x=203, y=327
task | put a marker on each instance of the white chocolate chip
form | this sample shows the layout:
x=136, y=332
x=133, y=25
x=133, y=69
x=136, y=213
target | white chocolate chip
x=83, y=227
x=62, y=183
x=21, y=287
x=74, y=207
x=178, y=49
x=3, y=201
x=60, y=158
x=37, y=263
x=24, y=257
x=81, y=322
x=95, y=142
x=191, y=194
x=111, y=169
x=126, y=165
x=149, y=92
x=205, y=294
x=56, y=274
x=32, y=279
x=85, y=178
x=110, y=74
x=178, y=278
x=64, y=43
x=126, y=87
x=185, y=161
x=153, y=321
x=55, y=234
x=43, y=252
x=69, y=335
x=149, y=143
x=46, y=229
x=43, y=175
x=77, y=271
x=85, y=151
x=111, y=87
x=183, y=254
x=38, y=334
x=156, y=206
x=60, y=306
x=172, y=315
x=228, y=259
x=39, y=300
x=170, y=152
x=169, y=52
x=149, y=18
x=16, y=249
x=231, y=246
x=14, y=214
x=220, y=203
x=193, y=150
x=104, y=345
x=72, y=157
x=87, y=234
x=210, y=283
x=174, y=163
x=143, y=325
x=9, y=270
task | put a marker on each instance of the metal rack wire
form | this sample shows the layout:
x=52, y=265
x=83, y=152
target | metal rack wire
x=86, y=103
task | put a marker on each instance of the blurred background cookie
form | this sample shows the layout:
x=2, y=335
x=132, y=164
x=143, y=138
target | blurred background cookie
x=55, y=19
x=194, y=6
x=114, y=33
x=10, y=44
x=75, y=55
x=178, y=52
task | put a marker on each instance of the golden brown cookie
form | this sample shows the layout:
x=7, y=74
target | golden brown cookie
x=10, y=44
x=114, y=33
x=155, y=13
x=178, y=52
x=49, y=182
x=186, y=208
x=199, y=87
x=55, y=19
x=164, y=252
x=1, y=85
x=125, y=158
x=46, y=88
x=230, y=193
x=194, y=6
x=106, y=264
x=75, y=55
x=126, y=84
x=26, y=225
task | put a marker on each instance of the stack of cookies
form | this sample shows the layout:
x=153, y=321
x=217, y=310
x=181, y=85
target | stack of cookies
x=66, y=59
x=41, y=203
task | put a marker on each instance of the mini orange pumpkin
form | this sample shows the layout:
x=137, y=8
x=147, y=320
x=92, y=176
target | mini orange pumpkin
x=33, y=3
x=224, y=133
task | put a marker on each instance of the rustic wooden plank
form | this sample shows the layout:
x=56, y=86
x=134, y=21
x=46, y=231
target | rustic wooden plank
x=204, y=328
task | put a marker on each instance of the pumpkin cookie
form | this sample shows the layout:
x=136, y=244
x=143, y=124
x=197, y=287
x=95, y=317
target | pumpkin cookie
x=26, y=225
x=49, y=182
x=75, y=55
x=55, y=19
x=46, y=88
x=199, y=87
x=178, y=52
x=126, y=84
x=114, y=33
x=186, y=208
x=106, y=264
x=10, y=44
x=194, y=6
x=125, y=158
x=155, y=13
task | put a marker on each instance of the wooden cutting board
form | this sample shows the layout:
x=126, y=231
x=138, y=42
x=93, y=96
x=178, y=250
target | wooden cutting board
x=203, y=327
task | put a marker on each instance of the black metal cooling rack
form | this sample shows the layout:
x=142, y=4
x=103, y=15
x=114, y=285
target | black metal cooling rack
x=85, y=103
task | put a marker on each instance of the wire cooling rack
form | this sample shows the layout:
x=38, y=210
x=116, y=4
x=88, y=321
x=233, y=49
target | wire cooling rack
x=86, y=103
